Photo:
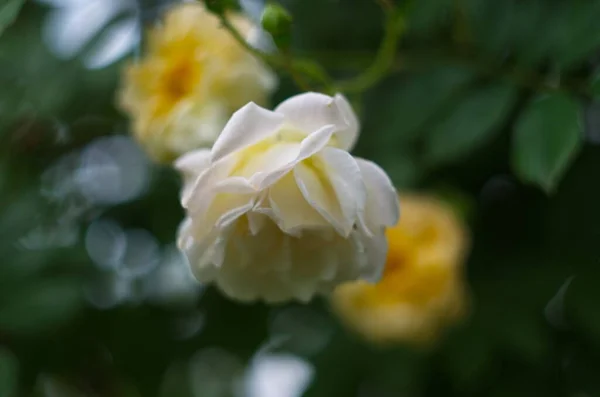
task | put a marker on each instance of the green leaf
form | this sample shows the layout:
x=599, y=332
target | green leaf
x=595, y=86
x=8, y=12
x=41, y=307
x=427, y=16
x=400, y=167
x=547, y=137
x=470, y=124
x=580, y=299
x=405, y=105
x=575, y=33
x=49, y=385
x=523, y=334
x=468, y=356
x=176, y=381
x=462, y=204
x=9, y=372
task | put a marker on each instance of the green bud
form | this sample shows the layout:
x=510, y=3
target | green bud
x=278, y=22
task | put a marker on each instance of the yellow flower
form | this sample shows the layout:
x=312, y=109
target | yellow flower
x=193, y=77
x=422, y=288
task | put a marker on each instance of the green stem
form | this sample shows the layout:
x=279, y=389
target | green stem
x=269, y=59
x=411, y=60
x=300, y=71
x=384, y=59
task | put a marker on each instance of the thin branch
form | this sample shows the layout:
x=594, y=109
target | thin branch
x=384, y=59
x=266, y=58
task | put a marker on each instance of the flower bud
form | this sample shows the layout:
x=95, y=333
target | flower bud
x=278, y=22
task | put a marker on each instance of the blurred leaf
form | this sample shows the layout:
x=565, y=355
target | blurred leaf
x=581, y=303
x=9, y=368
x=575, y=32
x=462, y=204
x=470, y=123
x=547, y=137
x=40, y=307
x=596, y=85
x=400, y=166
x=8, y=12
x=491, y=24
x=532, y=38
x=469, y=357
x=427, y=16
x=499, y=27
x=405, y=105
x=176, y=381
x=51, y=386
x=524, y=335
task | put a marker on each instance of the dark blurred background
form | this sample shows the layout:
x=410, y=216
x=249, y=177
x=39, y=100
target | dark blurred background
x=491, y=104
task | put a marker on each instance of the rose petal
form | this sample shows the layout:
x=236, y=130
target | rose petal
x=346, y=179
x=382, y=208
x=311, y=111
x=275, y=168
x=319, y=193
x=199, y=196
x=191, y=165
x=249, y=125
x=193, y=162
x=376, y=248
x=291, y=209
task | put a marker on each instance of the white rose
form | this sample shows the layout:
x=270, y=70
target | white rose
x=279, y=209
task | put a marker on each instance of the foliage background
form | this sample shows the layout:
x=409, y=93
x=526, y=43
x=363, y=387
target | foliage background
x=490, y=104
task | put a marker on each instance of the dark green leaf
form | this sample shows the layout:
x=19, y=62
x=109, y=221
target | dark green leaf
x=8, y=373
x=48, y=386
x=524, y=335
x=408, y=103
x=462, y=204
x=8, y=12
x=40, y=307
x=469, y=356
x=400, y=166
x=595, y=87
x=427, y=16
x=470, y=123
x=575, y=32
x=580, y=300
x=547, y=137
x=176, y=381
x=519, y=27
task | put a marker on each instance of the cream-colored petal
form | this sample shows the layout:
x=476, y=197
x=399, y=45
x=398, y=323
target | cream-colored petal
x=278, y=165
x=194, y=162
x=290, y=208
x=348, y=137
x=256, y=221
x=376, y=248
x=191, y=165
x=236, y=207
x=272, y=164
x=235, y=184
x=382, y=207
x=202, y=191
x=249, y=125
x=319, y=193
x=197, y=252
x=346, y=179
x=311, y=111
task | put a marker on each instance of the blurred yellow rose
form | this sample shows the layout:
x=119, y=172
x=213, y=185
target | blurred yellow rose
x=422, y=288
x=193, y=76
